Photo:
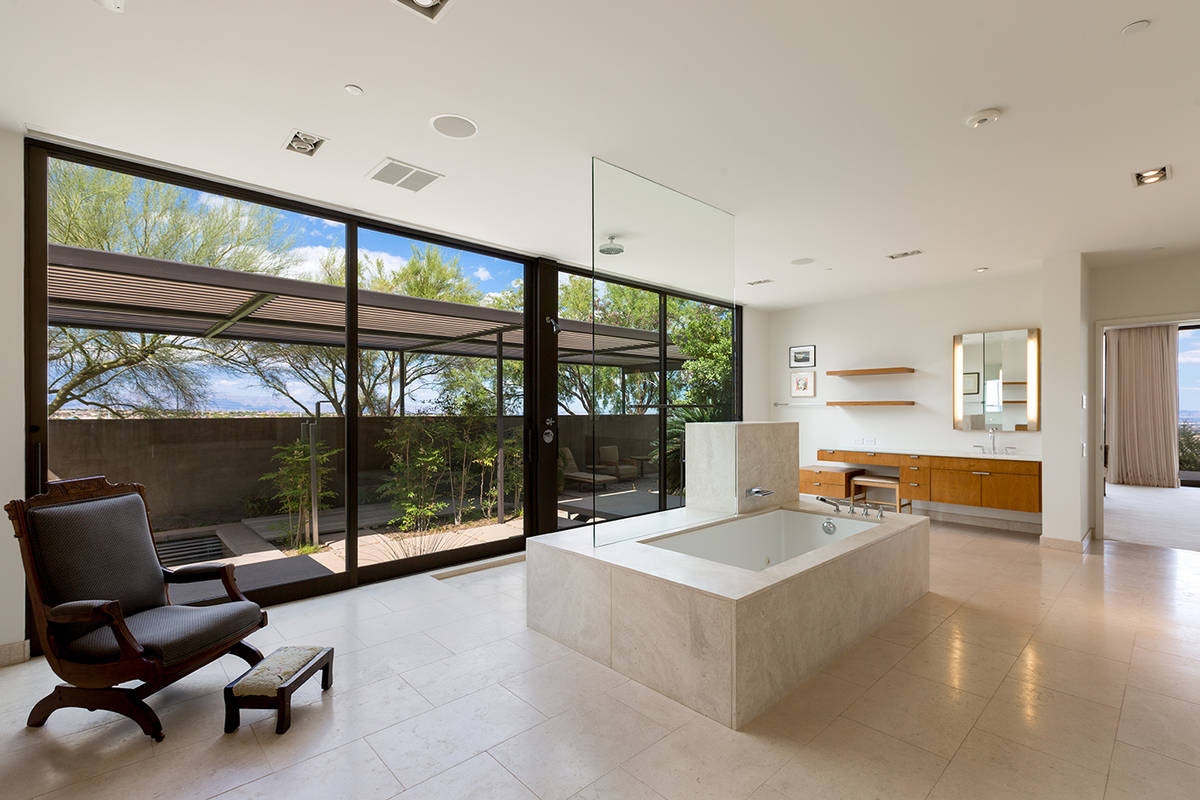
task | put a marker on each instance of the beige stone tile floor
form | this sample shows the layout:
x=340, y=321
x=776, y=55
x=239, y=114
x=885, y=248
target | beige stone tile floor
x=1026, y=672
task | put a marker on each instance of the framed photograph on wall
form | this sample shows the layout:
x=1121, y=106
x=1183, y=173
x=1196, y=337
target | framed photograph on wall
x=802, y=356
x=970, y=383
x=804, y=384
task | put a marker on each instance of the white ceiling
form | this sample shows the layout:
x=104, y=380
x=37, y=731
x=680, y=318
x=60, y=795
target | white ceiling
x=831, y=130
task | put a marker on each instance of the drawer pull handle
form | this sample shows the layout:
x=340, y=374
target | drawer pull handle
x=981, y=473
x=870, y=454
x=816, y=483
x=914, y=484
x=914, y=467
x=914, y=456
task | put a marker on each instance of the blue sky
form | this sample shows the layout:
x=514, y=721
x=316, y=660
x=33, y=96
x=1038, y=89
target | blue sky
x=1189, y=370
x=314, y=237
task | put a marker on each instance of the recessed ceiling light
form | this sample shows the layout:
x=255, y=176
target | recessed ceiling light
x=454, y=126
x=354, y=90
x=905, y=254
x=801, y=262
x=982, y=269
x=426, y=8
x=1149, y=176
x=759, y=282
x=1137, y=26
x=983, y=117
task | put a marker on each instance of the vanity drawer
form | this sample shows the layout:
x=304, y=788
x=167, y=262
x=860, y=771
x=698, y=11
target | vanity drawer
x=866, y=457
x=915, y=461
x=911, y=472
x=998, y=465
x=913, y=489
x=827, y=481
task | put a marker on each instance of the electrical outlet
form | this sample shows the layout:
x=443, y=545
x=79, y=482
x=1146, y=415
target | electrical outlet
x=869, y=442
x=858, y=440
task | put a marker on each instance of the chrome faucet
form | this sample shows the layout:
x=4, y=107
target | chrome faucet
x=992, y=439
x=836, y=506
x=867, y=506
x=758, y=491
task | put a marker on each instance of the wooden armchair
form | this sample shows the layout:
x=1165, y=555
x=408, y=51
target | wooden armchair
x=101, y=605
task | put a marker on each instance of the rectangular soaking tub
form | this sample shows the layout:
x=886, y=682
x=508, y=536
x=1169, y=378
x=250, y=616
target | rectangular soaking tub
x=730, y=615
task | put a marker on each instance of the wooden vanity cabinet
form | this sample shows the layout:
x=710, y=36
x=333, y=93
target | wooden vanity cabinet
x=827, y=481
x=984, y=482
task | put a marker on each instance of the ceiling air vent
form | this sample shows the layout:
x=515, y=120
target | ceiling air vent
x=429, y=9
x=905, y=254
x=306, y=144
x=406, y=176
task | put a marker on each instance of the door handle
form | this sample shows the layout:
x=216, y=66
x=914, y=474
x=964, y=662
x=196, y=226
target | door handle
x=981, y=473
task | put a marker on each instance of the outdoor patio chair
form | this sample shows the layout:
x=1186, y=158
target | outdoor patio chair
x=100, y=601
x=572, y=472
x=611, y=463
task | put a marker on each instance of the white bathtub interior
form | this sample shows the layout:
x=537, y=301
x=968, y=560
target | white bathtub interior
x=762, y=540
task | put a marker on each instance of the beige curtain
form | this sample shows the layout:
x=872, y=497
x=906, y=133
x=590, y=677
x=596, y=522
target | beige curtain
x=1141, y=399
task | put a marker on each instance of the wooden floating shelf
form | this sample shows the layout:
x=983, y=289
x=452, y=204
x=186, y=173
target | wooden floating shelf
x=871, y=403
x=845, y=373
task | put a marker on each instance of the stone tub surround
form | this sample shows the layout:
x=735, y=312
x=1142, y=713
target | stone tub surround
x=727, y=458
x=725, y=641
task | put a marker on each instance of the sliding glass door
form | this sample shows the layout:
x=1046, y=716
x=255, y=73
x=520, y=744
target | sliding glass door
x=441, y=388
x=324, y=399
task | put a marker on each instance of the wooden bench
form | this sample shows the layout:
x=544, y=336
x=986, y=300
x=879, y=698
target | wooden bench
x=881, y=482
x=272, y=681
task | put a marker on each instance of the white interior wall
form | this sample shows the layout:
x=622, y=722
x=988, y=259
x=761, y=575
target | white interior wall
x=1066, y=515
x=12, y=400
x=913, y=328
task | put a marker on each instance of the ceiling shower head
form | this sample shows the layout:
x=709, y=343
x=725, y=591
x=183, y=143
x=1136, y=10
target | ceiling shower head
x=612, y=248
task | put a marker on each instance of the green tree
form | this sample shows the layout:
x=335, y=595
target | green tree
x=292, y=481
x=385, y=377
x=1189, y=448
x=125, y=373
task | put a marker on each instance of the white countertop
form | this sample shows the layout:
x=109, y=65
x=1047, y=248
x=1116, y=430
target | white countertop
x=972, y=453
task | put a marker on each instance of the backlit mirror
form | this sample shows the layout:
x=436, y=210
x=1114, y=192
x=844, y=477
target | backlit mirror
x=997, y=380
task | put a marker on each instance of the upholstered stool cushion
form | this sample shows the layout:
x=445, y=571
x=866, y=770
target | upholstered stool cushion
x=266, y=678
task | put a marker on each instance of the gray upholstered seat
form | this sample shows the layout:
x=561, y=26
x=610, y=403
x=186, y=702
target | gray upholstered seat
x=102, y=549
x=172, y=633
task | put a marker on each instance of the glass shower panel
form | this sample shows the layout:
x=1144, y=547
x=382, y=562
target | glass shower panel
x=662, y=352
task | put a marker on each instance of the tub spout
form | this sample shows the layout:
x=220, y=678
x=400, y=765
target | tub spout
x=836, y=506
x=758, y=491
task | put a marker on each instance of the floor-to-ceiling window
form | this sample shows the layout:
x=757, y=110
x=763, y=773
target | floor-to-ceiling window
x=308, y=393
x=655, y=362
x=441, y=387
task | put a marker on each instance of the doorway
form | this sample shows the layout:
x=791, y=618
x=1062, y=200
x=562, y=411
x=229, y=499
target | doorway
x=1151, y=428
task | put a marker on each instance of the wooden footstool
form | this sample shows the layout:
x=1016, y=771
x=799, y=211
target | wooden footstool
x=271, y=682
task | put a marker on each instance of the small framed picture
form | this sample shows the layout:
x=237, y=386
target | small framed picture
x=804, y=384
x=970, y=383
x=802, y=356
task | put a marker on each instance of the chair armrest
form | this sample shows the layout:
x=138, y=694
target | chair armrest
x=194, y=573
x=84, y=611
x=106, y=612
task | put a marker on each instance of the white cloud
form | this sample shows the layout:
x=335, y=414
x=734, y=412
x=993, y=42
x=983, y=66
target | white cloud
x=516, y=284
x=1190, y=357
x=309, y=257
x=389, y=260
x=483, y=274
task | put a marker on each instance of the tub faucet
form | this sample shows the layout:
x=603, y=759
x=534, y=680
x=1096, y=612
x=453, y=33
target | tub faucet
x=758, y=491
x=836, y=506
x=868, y=506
